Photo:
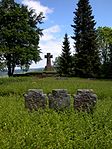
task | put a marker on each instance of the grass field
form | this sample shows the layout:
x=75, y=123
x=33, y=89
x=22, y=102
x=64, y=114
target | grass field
x=47, y=129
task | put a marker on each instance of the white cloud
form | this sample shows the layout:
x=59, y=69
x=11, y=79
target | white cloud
x=38, y=7
x=53, y=29
x=48, y=34
x=51, y=43
x=71, y=45
x=53, y=47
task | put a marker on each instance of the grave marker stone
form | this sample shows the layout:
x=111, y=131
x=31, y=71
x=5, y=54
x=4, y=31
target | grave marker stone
x=59, y=99
x=85, y=100
x=35, y=99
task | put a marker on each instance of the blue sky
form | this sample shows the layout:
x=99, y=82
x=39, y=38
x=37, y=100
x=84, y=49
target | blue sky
x=58, y=19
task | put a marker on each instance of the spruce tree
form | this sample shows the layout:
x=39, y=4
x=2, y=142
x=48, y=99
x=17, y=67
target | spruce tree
x=65, y=58
x=86, y=55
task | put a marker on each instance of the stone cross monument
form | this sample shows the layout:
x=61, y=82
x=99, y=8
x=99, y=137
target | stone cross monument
x=48, y=63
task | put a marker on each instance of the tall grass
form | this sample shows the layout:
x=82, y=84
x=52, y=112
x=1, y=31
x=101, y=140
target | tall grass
x=47, y=129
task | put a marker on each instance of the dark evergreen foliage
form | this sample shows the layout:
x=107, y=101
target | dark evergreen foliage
x=65, y=60
x=19, y=34
x=86, y=55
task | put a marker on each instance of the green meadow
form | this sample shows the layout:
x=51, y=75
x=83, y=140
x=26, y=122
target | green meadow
x=48, y=129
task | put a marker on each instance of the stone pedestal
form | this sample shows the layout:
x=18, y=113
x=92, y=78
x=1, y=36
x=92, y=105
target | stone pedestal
x=85, y=100
x=35, y=99
x=59, y=99
x=48, y=66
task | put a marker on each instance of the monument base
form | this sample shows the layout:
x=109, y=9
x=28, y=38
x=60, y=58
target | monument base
x=49, y=68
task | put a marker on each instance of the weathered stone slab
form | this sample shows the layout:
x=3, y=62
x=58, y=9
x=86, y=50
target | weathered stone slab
x=59, y=99
x=35, y=99
x=85, y=100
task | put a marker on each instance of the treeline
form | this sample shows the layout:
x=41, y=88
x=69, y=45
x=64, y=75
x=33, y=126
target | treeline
x=20, y=36
x=93, y=47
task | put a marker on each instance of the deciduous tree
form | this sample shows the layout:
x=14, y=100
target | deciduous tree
x=104, y=37
x=19, y=34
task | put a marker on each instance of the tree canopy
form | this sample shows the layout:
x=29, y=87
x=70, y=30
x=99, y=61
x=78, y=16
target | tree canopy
x=104, y=37
x=19, y=35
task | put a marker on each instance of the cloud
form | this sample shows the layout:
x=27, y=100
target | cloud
x=48, y=34
x=51, y=42
x=71, y=44
x=53, y=47
x=38, y=7
x=53, y=29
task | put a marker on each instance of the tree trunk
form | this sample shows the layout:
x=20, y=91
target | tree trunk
x=10, y=70
x=10, y=66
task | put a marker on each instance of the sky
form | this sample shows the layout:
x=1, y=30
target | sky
x=58, y=20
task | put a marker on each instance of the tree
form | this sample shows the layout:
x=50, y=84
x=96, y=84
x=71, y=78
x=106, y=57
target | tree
x=86, y=55
x=56, y=64
x=19, y=35
x=104, y=37
x=25, y=67
x=65, y=61
x=110, y=61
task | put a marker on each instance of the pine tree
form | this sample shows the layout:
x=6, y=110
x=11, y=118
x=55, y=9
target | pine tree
x=65, y=60
x=86, y=52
